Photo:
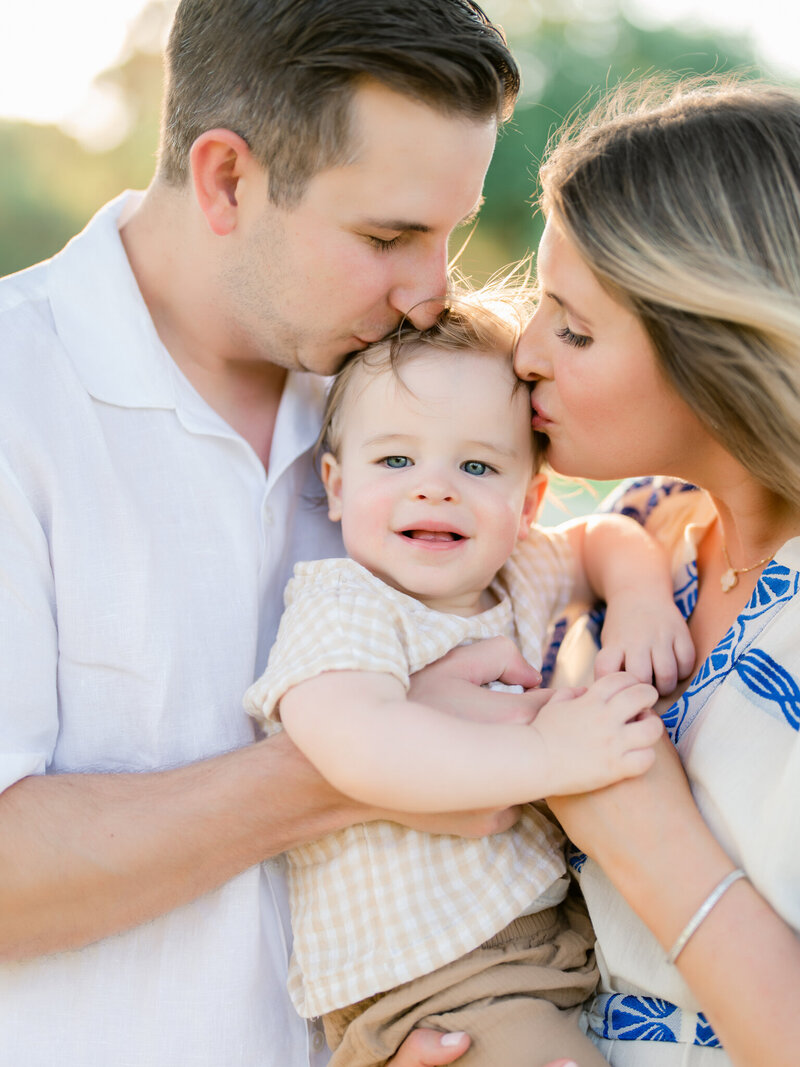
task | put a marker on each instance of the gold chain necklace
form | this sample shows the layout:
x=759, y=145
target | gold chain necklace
x=730, y=577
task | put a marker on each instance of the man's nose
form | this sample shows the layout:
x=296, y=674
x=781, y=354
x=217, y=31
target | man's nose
x=420, y=294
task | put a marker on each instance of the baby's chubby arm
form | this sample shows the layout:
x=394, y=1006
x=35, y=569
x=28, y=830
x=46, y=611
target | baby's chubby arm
x=373, y=744
x=644, y=632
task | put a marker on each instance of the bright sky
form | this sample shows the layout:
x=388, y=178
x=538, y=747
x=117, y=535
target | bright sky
x=51, y=50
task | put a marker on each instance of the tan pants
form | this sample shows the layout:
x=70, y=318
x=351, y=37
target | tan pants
x=518, y=996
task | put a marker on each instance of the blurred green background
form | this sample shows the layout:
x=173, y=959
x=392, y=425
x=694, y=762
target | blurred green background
x=51, y=183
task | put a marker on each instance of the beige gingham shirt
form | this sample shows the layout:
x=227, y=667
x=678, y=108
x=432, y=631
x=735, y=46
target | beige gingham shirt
x=377, y=904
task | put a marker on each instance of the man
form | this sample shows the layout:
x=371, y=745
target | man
x=156, y=488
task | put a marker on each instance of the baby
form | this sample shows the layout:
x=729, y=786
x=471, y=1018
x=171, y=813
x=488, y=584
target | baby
x=432, y=469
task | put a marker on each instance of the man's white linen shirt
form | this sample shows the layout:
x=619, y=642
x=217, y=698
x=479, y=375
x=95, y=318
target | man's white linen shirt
x=143, y=556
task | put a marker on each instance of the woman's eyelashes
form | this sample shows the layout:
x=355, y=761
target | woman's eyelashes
x=577, y=340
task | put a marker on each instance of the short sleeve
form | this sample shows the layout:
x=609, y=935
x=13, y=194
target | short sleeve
x=333, y=621
x=28, y=652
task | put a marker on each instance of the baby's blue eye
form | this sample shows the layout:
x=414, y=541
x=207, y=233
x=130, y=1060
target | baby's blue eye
x=474, y=466
x=397, y=462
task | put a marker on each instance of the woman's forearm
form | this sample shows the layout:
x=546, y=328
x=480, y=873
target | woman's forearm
x=743, y=961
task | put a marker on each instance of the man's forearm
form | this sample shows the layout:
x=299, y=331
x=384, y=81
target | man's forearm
x=83, y=856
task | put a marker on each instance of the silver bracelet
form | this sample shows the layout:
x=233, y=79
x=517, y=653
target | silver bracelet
x=703, y=911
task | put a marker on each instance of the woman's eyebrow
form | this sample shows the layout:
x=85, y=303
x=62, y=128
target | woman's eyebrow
x=567, y=307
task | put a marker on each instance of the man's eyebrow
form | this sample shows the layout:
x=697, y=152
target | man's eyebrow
x=404, y=225
x=401, y=225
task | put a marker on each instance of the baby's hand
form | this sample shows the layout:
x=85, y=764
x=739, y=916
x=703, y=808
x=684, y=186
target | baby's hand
x=648, y=639
x=599, y=737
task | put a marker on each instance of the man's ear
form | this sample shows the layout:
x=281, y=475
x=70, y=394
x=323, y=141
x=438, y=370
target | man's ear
x=533, y=502
x=331, y=474
x=218, y=159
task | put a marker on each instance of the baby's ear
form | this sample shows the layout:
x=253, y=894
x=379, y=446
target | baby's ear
x=533, y=502
x=331, y=474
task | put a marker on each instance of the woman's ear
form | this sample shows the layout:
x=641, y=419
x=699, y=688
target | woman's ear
x=218, y=159
x=331, y=473
x=533, y=502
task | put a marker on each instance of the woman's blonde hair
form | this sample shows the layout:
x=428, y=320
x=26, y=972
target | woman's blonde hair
x=488, y=320
x=685, y=202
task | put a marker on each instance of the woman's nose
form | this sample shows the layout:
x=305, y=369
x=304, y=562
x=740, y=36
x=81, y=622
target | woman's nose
x=530, y=359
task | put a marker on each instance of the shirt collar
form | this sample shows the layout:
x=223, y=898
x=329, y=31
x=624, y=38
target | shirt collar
x=110, y=336
x=119, y=356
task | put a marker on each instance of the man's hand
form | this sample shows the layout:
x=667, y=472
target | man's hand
x=453, y=684
x=429, y=1048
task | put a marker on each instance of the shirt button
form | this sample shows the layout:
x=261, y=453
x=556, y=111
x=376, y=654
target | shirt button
x=318, y=1041
x=269, y=518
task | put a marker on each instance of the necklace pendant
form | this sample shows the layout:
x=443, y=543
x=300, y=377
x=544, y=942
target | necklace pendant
x=728, y=580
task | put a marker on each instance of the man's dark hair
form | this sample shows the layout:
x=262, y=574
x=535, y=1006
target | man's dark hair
x=281, y=74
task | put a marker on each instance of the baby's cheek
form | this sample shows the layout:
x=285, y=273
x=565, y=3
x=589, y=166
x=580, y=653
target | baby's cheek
x=365, y=522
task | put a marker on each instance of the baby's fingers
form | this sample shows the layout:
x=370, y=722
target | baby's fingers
x=636, y=762
x=608, y=660
x=665, y=669
x=611, y=684
x=633, y=700
x=638, y=739
x=684, y=652
x=643, y=732
x=673, y=660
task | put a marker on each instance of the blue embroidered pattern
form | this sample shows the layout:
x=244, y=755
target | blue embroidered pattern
x=703, y=1034
x=758, y=671
x=685, y=596
x=575, y=858
x=549, y=661
x=771, y=682
x=624, y=1017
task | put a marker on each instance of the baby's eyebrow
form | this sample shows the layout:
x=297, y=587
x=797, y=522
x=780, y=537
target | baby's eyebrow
x=386, y=438
x=489, y=446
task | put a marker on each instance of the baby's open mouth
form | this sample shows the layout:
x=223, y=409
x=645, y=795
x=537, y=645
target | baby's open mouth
x=432, y=535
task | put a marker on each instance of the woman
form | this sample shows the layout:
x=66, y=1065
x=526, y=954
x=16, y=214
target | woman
x=667, y=341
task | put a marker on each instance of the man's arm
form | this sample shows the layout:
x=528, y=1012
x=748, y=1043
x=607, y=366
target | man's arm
x=84, y=856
